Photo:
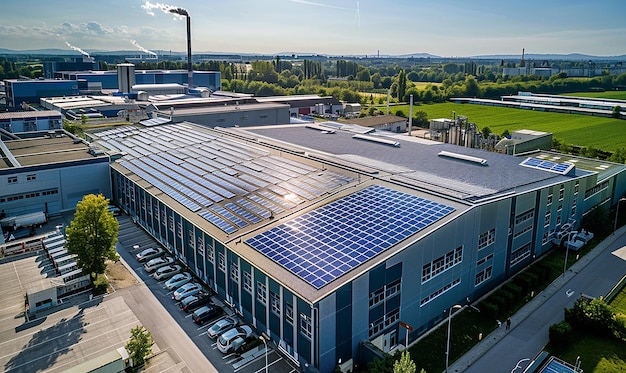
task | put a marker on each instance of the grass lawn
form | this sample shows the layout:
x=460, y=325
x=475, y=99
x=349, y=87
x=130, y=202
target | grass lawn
x=615, y=95
x=583, y=130
x=618, y=304
x=597, y=354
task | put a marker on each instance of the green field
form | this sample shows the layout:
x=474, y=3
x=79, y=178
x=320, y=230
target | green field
x=602, y=133
x=614, y=95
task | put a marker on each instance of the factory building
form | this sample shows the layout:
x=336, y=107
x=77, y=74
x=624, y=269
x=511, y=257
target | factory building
x=327, y=236
x=49, y=171
x=29, y=121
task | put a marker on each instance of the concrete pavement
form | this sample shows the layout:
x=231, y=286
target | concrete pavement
x=595, y=274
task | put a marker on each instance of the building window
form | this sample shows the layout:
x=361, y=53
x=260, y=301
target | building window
x=392, y=317
x=376, y=327
x=261, y=293
x=442, y=263
x=596, y=189
x=305, y=325
x=546, y=223
x=521, y=232
x=549, y=199
x=561, y=192
x=289, y=312
x=544, y=240
x=31, y=177
x=483, y=275
x=520, y=254
x=12, y=179
x=487, y=238
x=210, y=254
x=484, y=260
x=247, y=282
x=275, y=300
x=234, y=272
x=221, y=262
x=576, y=188
x=558, y=220
x=524, y=216
x=573, y=207
x=377, y=296
x=392, y=288
x=440, y=291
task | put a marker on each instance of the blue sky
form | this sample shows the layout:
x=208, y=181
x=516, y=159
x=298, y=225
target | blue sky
x=337, y=27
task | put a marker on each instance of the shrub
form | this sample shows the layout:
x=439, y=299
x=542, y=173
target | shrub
x=592, y=316
x=489, y=309
x=561, y=335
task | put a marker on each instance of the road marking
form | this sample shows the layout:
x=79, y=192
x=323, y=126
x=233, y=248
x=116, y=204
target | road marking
x=569, y=292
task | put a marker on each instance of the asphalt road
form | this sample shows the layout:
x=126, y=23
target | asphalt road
x=529, y=332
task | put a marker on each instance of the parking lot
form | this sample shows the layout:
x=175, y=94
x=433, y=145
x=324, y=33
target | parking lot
x=132, y=240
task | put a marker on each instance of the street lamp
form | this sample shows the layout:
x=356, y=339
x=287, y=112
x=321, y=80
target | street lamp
x=617, y=213
x=264, y=338
x=569, y=238
x=455, y=307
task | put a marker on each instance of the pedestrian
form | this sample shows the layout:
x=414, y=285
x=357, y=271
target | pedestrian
x=508, y=323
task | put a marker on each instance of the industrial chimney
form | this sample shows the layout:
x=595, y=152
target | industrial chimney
x=185, y=13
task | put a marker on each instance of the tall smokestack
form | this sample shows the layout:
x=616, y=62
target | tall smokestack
x=183, y=12
x=189, y=64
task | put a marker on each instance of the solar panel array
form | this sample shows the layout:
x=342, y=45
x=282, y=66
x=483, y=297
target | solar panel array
x=540, y=164
x=327, y=242
x=230, y=184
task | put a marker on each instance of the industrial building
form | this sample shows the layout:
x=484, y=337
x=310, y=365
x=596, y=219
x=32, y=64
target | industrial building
x=49, y=171
x=29, y=121
x=19, y=91
x=327, y=236
x=391, y=123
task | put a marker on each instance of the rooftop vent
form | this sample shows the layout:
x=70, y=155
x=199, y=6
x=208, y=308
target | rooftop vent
x=379, y=140
x=463, y=157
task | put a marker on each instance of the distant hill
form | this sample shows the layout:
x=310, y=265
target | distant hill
x=535, y=56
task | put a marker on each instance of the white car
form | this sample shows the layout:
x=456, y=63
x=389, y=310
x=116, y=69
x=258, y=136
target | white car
x=158, y=262
x=186, y=290
x=232, y=339
x=221, y=326
x=178, y=280
x=148, y=254
x=166, y=272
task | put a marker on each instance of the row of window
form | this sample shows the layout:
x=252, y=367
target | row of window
x=599, y=187
x=487, y=238
x=384, y=292
x=442, y=263
x=29, y=195
x=484, y=260
x=14, y=179
x=438, y=292
x=520, y=254
x=385, y=321
x=483, y=275
x=524, y=216
x=521, y=232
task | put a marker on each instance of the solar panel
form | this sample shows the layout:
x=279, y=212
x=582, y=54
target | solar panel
x=540, y=164
x=218, y=222
x=327, y=242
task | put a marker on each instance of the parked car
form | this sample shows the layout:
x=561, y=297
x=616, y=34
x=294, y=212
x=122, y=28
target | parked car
x=221, y=326
x=166, y=272
x=206, y=313
x=193, y=302
x=186, y=290
x=178, y=280
x=233, y=338
x=148, y=254
x=158, y=262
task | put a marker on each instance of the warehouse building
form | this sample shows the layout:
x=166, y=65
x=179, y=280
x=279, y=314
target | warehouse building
x=28, y=121
x=49, y=171
x=327, y=236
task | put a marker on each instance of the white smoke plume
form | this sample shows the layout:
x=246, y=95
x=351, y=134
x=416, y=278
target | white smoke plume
x=178, y=12
x=134, y=42
x=77, y=49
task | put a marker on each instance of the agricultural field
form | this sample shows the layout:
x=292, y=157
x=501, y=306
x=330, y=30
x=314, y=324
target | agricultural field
x=602, y=133
x=613, y=95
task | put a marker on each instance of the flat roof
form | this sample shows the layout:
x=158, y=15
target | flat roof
x=29, y=114
x=44, y=149
x=417, y=160
x=195, y=110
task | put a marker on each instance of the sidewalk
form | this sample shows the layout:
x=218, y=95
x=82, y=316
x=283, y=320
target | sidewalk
x=480, y=349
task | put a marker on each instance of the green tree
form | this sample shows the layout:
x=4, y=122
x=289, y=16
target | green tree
x=92, y=234
x=401, y=85
x=140, y=345
x=486, y=131
x=471, y=87
x=405, y=364
x=617, y=112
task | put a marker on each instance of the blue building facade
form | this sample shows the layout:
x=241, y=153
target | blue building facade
x=30, y=91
